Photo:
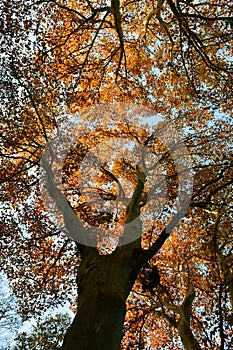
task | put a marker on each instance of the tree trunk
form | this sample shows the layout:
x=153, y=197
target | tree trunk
x=104, y=284
x=187, y=337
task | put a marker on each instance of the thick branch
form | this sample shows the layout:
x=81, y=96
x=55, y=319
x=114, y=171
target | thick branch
x=73, y=224
x=133, y=208
x=115, y=7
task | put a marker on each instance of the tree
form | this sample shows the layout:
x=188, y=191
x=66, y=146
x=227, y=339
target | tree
x=46, y=334
x=9, y=318
x=59, y=59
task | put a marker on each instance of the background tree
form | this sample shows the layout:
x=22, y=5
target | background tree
x=45, y=334
x=10, y=320
x=175, y=58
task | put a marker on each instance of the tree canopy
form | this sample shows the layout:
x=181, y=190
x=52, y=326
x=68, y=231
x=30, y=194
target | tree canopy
x=98, y=73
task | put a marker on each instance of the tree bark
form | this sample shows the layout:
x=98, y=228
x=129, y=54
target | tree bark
x=104, y=284
x=187, y=337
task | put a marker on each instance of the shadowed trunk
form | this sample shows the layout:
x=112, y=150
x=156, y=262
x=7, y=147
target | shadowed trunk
x=104, y=284
x=187, y=337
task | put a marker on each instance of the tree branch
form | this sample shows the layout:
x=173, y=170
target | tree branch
x=115, y=7
x=73, y=224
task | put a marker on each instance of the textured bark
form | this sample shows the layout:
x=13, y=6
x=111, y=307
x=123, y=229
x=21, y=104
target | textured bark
x=104, y=284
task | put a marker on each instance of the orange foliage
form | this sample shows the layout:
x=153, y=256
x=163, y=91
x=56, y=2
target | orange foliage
x=59, y=59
